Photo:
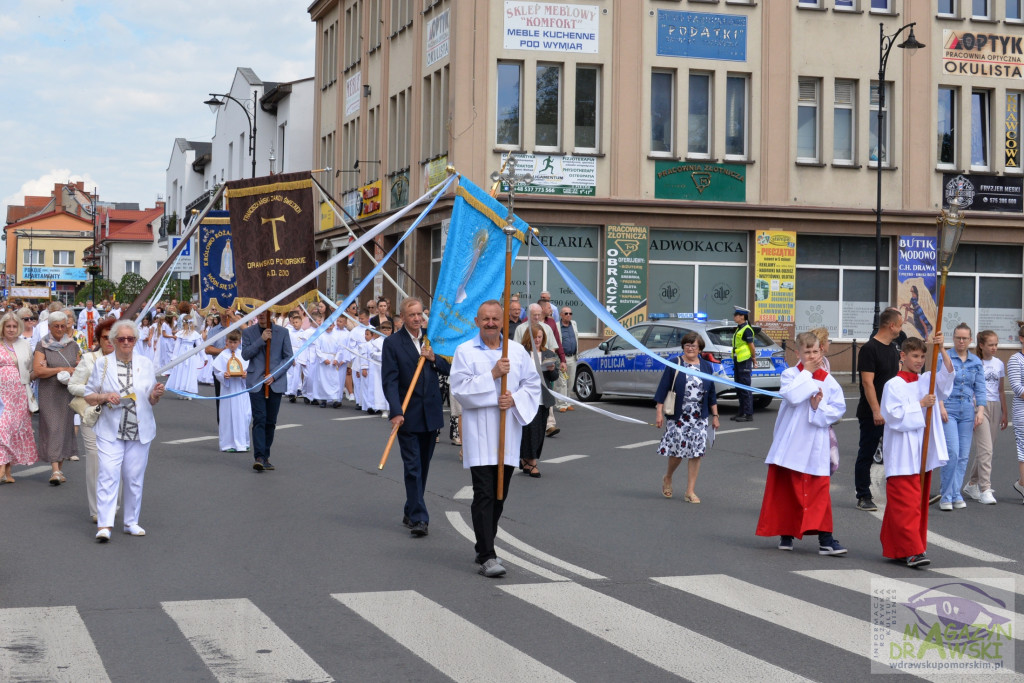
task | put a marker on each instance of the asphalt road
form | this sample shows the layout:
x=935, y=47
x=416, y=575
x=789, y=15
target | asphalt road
x=306, y=573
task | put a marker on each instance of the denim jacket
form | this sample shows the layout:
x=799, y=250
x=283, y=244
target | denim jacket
x=969, y=380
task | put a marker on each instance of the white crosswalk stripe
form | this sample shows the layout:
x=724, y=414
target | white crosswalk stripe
x=979, y=574
x=656, y=640
x=238, y=642
x=47, y=644
x=452, y=645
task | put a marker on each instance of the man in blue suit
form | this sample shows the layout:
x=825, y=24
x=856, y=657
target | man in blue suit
x=419, y=423
x=265, y=408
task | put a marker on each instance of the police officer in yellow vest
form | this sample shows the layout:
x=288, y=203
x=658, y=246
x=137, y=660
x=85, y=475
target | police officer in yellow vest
x=743, y=362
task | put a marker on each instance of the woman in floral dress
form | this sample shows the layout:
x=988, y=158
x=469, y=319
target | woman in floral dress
x=17, y=442
x=687, y=432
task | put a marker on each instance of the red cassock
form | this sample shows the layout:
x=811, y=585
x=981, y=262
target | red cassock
x=794, y=504
x=905, y=523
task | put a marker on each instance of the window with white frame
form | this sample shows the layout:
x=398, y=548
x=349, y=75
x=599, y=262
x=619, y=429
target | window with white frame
x=33, y=257
x=737, y=97
x=1011, y=122
x=588, y=90
x=984, y=289
x=843, y=122
x=878, y=144
x=1013, y=10
x=398, y=131
x=548, y=113
x=662, y=112
x=835, y=284
x=133, y=267
x=327, y=150
x=808, y=3
x=509, y=112
x=980, y=129
x=948, y=8
x=63, y=258
x=881, y=6
x=698, y=139
x=435, y=113
x=981, y=9
x=845, y=5
x=807, y=128
x=947, y=129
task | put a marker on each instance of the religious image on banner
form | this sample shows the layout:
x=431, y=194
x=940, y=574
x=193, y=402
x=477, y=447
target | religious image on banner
x=216, y=263
x=273, y=220
x=915, y=285
x=472, y=267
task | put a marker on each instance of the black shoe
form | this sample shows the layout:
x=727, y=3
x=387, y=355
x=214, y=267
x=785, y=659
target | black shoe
x=306, y=400
x=736, y=418
x=258, y=465
x=323, y=404
x=744, y=418
x=336, y=405
x=267, y=466
x=418, y=529
x=866, y=504
x=918, y=560
x=406, y=522
x=291, y=399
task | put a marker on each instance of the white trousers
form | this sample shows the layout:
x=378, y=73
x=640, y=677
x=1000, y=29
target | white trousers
x=562, y=385
x=92, y=468
x=119, y=459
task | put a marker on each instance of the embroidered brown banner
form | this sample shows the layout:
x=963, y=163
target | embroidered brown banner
x=272, y=224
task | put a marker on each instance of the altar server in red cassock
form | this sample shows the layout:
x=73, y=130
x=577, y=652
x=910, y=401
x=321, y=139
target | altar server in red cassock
x=796, y=494
x=905, y=401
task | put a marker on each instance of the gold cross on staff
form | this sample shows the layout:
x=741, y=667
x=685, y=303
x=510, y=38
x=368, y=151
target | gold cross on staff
x=273, y=224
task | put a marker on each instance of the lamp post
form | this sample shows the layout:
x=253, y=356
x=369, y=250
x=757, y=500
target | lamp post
x=885, y=45
x=215, y=105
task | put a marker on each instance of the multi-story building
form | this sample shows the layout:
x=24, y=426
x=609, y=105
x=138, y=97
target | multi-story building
x=703, y=121
x=127, y=242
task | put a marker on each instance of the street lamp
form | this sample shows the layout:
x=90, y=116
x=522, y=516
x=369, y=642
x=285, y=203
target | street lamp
x=215, y=106
x=885, y=44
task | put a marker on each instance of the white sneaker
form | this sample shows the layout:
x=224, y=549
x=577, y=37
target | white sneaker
x=959, y=504
x=973, y=491
x=987, y=497
x=945, y=505
x=135, y=530
x=103, y=535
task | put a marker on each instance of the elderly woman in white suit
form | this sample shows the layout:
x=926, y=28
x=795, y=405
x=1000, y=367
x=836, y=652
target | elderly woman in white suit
x=125, y=385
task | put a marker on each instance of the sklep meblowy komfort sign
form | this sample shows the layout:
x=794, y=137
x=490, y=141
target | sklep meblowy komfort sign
x=625, y=280
x=552, y=27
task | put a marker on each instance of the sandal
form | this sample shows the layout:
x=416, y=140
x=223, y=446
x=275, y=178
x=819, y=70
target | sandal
x=532, y=471
x=691, y=498
x=666, y=488
x=523, y=465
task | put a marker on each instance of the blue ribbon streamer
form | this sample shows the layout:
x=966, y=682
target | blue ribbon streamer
x=598, y=309
x=337, y=311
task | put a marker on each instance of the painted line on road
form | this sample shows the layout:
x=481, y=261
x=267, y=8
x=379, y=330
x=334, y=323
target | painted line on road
x=736, y=431
x=356, y=417
x=33, y=470
x=544, y=557
x=819, y=623
x=459, y=524
x=194, y=439
x=564, y=458
x=465, y=493
x=849, y=419
x=48, y=644
x=641, y=444
x=237, y=641
x=656, y=640
x=980, y=574
x=951, y=545
x=454, y=646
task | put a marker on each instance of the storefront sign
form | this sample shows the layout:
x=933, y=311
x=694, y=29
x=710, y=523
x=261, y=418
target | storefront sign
x=982, y=54
x=437, y=170
x=29, y=293
x=353, y=89
x=775, y=283
x=438, y=30
x=326, y=216
x=701, y=35
x=984, y=192
x=371, y=199
x=400, y=190
x=1011, y=141
x=915, y=284
x=50, y=273
x=552, y=27
x=697, y=181
x=556, y=174
x=625, y=274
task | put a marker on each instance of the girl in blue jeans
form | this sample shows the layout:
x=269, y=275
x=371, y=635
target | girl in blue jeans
x=961, y=413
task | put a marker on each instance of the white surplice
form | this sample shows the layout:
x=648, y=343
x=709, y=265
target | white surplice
x=235, y=412
x=477, y=392
x=800, y=439
x=325, y=378
x=185, y=375
x=904, y=423
x=294, y=373
x=375, y=352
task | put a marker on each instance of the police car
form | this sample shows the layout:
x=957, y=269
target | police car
x=616, y=367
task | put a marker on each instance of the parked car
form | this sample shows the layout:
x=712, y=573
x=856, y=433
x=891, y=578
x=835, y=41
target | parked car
x=616, y=367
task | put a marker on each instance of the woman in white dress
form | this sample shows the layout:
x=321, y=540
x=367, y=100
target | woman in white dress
x=184, y=376
x=143, y=346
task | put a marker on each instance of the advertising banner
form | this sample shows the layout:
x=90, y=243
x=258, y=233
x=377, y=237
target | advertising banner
x=775, y=283
x=353, y=90
x=552, y=27
x=272, y=228
x=625, y=276
x=915, y=284
x=702, y=35
x=700, y=182
x=54, y=273
x=216, y=263
x=994, y=55
x=556, y=174
x=438, y=30
x=984, y=192
x=371, y=199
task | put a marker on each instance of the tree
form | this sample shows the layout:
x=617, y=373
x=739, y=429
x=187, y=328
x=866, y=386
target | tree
x=104, y=290
x=130, y=287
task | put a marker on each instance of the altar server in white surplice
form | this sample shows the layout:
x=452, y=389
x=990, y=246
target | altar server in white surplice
x=905, y=400
x=235, y=412
x=476, y=383
x=340, y=334
x=374, y=354
x=294, y=373
x=184, y=376
x=325, y=357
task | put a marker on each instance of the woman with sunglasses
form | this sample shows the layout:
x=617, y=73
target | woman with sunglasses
x=76, y=387
x=17, y=442
x=127, y=388
x=53, y=363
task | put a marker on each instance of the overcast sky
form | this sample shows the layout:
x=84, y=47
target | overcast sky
x=97, y=90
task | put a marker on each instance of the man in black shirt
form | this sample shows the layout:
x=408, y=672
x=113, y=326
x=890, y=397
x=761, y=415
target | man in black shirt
x=877, y=362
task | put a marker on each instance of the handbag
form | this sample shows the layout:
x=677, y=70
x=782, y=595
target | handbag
x=88, y=414
x=670, y=397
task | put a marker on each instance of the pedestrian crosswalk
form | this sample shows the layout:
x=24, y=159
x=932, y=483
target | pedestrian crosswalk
x=237, y=641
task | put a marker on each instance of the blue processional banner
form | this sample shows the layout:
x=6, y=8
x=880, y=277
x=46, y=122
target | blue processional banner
x=472, y=268
x=217, y=288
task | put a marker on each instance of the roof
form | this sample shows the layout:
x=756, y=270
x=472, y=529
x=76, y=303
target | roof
x=249, y=75
x=127, y=225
